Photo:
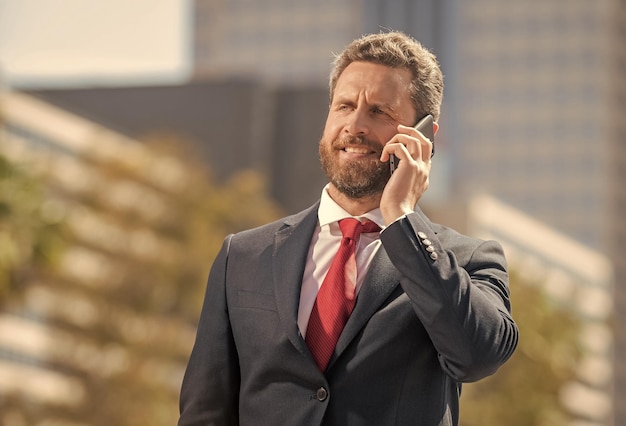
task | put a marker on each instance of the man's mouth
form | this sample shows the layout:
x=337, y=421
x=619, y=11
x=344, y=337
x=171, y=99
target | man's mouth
x=358, y=150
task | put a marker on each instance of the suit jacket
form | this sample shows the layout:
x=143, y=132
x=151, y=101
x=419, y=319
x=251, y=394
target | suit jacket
x=423, y=323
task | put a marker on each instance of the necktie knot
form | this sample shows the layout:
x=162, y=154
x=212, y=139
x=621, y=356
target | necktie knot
x=352, y=228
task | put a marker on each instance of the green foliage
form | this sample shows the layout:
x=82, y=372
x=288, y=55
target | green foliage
x=141, y=285
x=525, y=391
x=164, y=293
x=29, y=228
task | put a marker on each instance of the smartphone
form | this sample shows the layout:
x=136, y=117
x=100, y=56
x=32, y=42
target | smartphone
x=425, y=127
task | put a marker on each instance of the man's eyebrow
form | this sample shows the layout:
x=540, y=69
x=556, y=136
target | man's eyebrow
x=386, y=105
x=341, y=100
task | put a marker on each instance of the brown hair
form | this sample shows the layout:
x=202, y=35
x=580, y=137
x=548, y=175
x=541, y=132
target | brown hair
x=397, y=50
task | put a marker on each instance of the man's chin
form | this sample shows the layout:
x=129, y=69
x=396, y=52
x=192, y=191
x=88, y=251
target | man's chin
x=356, y=190
x=357, y=193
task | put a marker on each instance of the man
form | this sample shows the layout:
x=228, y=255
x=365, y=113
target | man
x=427, y=310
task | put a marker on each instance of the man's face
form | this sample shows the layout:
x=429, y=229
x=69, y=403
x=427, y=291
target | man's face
x=369, y=102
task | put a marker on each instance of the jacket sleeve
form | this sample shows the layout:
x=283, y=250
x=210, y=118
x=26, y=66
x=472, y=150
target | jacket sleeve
x=459, y=290
x=209, y=394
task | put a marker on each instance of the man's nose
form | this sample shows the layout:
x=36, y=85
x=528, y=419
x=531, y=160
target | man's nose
x=357, y=123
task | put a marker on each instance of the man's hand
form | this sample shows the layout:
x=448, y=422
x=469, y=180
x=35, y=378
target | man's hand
x=410, y=180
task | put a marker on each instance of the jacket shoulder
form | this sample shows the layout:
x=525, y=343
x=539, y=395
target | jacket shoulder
x=265, y=233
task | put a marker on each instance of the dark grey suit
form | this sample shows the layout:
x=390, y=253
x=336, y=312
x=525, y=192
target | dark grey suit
x=420, y=327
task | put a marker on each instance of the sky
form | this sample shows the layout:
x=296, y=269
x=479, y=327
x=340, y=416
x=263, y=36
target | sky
x=94, y=42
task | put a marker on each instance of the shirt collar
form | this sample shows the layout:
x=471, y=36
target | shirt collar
x=329, y=212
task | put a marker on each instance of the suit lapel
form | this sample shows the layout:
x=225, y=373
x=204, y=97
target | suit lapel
x=291, y=246
x=381, y=279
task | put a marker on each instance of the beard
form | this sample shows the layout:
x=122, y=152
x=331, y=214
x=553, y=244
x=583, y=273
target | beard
x=358, y=178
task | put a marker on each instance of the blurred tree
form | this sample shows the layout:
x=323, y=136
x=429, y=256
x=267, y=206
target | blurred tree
x=127, y=292
x=164, y=291
x=30, y=229
x=525, y=391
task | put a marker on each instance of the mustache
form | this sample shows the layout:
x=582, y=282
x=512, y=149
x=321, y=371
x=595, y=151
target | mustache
x=342, y=142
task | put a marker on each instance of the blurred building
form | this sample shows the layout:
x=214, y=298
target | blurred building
x=289, y=42
x=573, y=276
x=233, y=124
x=536, y=113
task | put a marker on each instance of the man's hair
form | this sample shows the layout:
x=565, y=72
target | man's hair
x=397, y=50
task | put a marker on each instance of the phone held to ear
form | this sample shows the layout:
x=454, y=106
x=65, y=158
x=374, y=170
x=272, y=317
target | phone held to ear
x=425, y=127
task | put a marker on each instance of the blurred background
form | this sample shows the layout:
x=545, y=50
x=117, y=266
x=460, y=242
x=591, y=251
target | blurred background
x=136, y=134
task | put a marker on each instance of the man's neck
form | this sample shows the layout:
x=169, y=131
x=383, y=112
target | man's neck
x=354, y=206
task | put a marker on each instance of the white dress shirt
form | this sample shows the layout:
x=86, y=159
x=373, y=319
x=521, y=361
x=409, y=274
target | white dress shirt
x=325, y=244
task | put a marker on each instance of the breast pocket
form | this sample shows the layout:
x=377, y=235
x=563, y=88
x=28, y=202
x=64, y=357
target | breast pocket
x=252, y=300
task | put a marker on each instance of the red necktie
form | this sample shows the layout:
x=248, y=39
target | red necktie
x=336, y=296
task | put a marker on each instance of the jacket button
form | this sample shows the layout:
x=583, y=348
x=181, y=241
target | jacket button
x=321, y=394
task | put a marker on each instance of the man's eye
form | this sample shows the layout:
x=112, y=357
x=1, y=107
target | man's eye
x=378, y=111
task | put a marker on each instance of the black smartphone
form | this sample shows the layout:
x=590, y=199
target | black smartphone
x=425, y=127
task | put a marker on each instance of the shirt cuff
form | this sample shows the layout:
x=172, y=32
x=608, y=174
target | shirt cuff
x=396, y=220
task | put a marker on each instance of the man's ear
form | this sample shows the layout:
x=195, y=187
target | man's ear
x=435, y=127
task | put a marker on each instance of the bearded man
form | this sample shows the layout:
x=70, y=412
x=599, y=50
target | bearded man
x=359, y=310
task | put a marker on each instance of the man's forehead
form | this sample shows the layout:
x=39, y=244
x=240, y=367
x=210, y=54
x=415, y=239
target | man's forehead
x=379, y=82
